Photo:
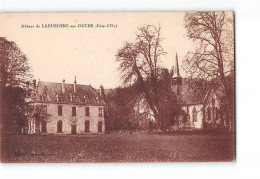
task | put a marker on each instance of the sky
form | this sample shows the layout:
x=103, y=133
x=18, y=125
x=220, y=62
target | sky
x=89, y=53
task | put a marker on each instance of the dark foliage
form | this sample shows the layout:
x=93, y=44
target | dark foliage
x=121, y=103
x=13, y=109
x=14, y=73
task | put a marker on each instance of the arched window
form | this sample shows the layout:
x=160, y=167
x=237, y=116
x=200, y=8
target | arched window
x=202, y=110
x=73, y=97
x=213, y=101
x=87, y=124
x=44, y=126
x=209, y=114
x=59, y=126
x=194, y=115
x=59, y=97
x=217, y=113
x=100, y=126
x=43, y=96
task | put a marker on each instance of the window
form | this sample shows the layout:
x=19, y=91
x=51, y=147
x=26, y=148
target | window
x=99, y=99
x=87, y=111
x=194, y=115
x=44, y=109
x=59, y=97
x=100, y=112
x=73, y=98
x=217, y=114
x=43, y=96
x=213, y=103
x=60, y=110
x=59, y=126
x=73, y=111
x=86, y=99
x=209, y=114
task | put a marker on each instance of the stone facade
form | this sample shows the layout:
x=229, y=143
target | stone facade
x=69, y=121
x=195, y=115
x=67, y=109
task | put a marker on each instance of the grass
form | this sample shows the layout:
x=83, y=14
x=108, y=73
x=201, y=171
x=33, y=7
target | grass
x=136, y=147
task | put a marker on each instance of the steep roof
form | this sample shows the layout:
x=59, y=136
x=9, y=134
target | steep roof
x=197, y=96
x=190, y=96
x=52, y=89
x=176, y=68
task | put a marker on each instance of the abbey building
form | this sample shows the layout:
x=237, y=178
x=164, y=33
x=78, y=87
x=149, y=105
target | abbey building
x=63, y=108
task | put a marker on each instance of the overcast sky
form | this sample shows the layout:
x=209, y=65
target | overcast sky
x=88, y=53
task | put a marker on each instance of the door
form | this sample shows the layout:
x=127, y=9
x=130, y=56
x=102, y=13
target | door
x=100, y=126
x=87, y=126
x=44, y=127
x=59, y=126
x=73, y=129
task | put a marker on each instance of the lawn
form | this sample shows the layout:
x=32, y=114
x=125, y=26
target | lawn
x=136, y=147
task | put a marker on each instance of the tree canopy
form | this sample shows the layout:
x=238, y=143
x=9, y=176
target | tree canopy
x=14, y=73
x=14, y=66
x=140, y=63
x=213, y=57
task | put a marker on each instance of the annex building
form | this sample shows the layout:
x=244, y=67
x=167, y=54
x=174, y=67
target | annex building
x=202, y=109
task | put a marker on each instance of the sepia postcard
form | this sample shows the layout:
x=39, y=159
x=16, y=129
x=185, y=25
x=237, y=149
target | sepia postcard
x=117, y=87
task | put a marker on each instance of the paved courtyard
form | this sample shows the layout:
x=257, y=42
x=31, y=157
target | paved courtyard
x=136, y=147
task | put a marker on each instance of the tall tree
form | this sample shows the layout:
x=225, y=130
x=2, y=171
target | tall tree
x=14, y=73
x=14, y=66
x=213, y=57
x=140, y=64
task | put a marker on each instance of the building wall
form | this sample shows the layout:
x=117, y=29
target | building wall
x=68, y=120
x=189, y=110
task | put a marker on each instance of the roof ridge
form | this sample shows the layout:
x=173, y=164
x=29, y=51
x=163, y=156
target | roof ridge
x=65, y=83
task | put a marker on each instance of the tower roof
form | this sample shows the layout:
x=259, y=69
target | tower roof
x=176, y=68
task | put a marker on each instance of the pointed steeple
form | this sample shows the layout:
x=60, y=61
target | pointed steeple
x=176, y=84
x=176, y=68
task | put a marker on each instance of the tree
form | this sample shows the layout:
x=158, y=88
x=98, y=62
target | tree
x=13, y=109
x=213, y=57
x=14, y=73
x=140, y=64
x=169, y=107
x=14, y=67
x=121, y=103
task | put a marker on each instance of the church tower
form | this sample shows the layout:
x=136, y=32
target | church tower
x=176, y=82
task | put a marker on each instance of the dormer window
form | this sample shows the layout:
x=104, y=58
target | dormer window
x=43, y=96
x=59, y=97
x=99, y=98
x=73, y=97
x=86, y=98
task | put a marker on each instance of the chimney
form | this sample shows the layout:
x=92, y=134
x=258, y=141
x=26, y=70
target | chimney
x=75, y=83
x=63, y=86
x=34, y=84
x=101, y=91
